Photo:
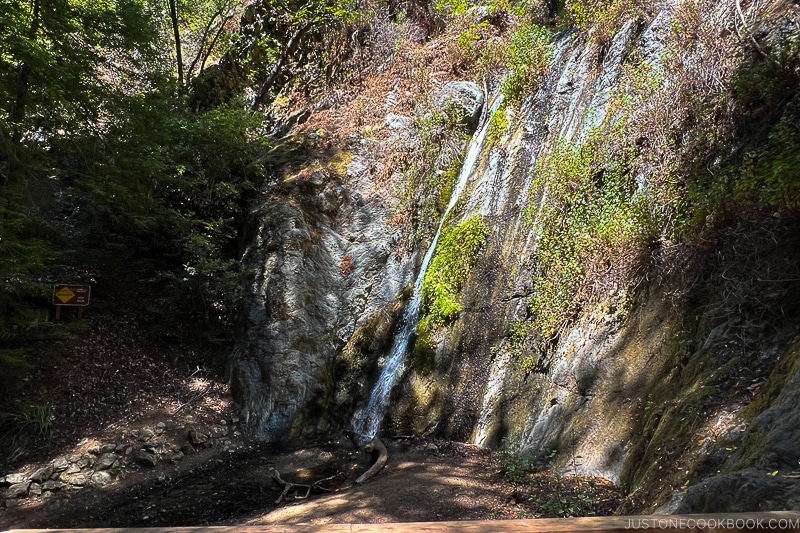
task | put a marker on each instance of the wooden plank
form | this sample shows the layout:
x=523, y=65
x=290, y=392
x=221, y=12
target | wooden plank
x=278, y=528
x=778, y=521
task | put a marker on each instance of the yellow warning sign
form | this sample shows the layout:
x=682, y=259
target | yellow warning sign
x=65, y=295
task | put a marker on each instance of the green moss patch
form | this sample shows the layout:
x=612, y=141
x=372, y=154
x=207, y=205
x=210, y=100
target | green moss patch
x=455, y=254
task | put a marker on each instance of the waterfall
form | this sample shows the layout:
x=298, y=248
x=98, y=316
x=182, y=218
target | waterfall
x=366, y=422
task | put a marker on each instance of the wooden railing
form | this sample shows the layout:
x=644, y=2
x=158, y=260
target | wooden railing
x=778, y=521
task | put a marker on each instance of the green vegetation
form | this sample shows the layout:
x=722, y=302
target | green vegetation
x=454, y=7
x=552, y=492
x=593, y=226
x=560, y=504
x=528, y=57
x=298, y=28
x=783, y=371
x=525, y=346
x=431, y=169
x=455, y=253
x=605, y=17
x=423, y=357
x=201, y=32
x=498, y=126
x=515, y=464
x=765, y=172
x=598, y=225
x=20, y=429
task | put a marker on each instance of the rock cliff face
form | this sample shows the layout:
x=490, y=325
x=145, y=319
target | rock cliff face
x=678, y=384
x=324, y=262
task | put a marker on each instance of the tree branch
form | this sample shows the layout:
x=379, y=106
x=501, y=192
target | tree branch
x=288, y=50
x=214, y=41
x=288, y=486
x=203, y=38
x=747, y=29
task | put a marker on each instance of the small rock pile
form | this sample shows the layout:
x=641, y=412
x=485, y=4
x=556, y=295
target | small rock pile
x=98, y=465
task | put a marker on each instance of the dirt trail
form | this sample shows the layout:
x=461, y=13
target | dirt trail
x=424, y=481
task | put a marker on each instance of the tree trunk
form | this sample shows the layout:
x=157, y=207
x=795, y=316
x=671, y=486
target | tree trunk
x=18, y=111
x=173, y=14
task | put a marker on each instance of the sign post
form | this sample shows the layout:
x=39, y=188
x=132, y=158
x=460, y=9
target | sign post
x=71, y=296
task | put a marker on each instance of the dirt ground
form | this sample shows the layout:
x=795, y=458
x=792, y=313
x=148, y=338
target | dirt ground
x=117, y=390
x=424, y=481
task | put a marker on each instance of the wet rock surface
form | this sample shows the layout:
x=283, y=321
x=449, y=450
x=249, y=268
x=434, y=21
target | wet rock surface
x=610, y=391
x=324, y=264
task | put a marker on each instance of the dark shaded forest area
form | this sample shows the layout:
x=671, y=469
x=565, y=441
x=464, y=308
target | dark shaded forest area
x=121, y=158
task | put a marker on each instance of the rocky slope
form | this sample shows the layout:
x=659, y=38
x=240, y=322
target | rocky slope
x=675, y=377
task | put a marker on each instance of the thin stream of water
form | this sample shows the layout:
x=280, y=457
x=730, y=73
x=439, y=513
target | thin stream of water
x=367, y=422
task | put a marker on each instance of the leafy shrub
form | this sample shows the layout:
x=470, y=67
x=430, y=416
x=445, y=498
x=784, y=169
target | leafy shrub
x=499, y=36
x=514, y=463
x=452, y=7
x=431, y=169
x=162, y=194
x=770, y=173
x=605, y=17
x=30, y=249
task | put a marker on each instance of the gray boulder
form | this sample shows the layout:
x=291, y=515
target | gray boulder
x=52, y=484
x=146, y=458
x=18, y=490
x=14, y=479
x=100, y=479
x=465, y=99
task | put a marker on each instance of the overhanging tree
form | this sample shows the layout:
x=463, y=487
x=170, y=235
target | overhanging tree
x=60, y=57
x=294, y=23
x=60, y=62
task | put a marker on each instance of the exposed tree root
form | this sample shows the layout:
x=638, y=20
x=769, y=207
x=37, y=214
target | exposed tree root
x=288, y=487
x=375, y=447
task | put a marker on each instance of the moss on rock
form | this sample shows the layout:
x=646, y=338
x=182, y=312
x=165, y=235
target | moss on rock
x=455, y=254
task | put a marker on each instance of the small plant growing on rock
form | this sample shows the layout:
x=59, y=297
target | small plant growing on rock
x=604, y=17
x=528, y=57
x=514, y=462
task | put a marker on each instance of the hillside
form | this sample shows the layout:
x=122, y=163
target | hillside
x=555, y=239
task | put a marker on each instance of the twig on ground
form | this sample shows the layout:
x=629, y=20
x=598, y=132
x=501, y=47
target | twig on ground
x=194, y=398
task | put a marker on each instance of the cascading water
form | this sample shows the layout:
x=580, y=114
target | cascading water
x=368, y=420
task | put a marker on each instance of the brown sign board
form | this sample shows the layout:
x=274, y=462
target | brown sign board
x=76, y=295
